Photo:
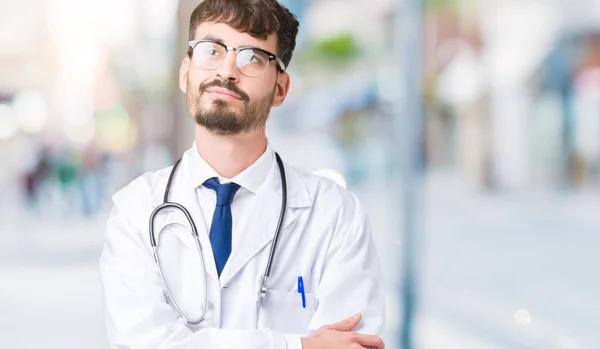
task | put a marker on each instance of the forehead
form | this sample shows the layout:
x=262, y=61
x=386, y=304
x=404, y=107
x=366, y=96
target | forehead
x=231, y=37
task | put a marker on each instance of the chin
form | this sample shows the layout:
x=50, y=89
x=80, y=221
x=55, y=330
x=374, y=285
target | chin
x=216, y=102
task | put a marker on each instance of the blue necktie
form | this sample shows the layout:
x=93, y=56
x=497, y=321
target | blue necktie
x=220, y=229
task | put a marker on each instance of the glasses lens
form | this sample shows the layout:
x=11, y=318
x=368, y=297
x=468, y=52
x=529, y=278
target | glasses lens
x=252, y=63
x=208, y=55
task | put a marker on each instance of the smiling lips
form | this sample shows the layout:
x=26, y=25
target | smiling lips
x=223, y=92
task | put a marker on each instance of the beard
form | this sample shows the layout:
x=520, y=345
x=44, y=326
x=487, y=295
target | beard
x=225, y=118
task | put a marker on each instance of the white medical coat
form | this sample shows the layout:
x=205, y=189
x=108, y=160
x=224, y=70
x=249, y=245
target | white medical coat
x=325, y=238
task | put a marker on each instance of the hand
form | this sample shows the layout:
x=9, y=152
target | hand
x=340, y=336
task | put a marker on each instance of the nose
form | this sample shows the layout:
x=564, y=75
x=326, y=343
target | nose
x=228, y=71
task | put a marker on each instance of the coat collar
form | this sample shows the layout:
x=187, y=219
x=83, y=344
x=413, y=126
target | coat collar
x=250, y=179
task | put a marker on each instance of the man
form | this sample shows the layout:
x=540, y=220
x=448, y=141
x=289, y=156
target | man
x=324, y=268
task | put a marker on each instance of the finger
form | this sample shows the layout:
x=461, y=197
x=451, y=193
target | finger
x=370, y=341
x=347, y=324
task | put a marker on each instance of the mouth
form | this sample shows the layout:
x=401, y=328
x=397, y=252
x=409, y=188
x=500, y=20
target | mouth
x=223, y=93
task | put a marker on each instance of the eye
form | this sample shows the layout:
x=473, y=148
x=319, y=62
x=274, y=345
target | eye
x=257, y=58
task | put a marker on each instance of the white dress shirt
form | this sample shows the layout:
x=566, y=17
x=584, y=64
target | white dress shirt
x=249, y=180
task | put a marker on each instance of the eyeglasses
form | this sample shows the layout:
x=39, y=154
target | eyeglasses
x=251, y=61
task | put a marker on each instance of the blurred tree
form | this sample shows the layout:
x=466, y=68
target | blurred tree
x=338, y=48
x=441, y=4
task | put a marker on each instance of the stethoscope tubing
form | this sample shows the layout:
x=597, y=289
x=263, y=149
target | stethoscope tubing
x=154, y=243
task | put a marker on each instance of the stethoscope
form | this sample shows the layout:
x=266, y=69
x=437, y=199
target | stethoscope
x=166, y=204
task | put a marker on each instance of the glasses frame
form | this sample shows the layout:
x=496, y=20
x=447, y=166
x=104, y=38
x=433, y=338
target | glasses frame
x=271, y=56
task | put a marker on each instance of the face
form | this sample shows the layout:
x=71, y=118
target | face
x=224, y=101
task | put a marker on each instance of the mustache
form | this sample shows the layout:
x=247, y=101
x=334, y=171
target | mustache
x=219, y=83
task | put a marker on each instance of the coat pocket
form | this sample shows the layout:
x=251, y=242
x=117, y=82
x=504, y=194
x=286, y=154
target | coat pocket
x=283, y=312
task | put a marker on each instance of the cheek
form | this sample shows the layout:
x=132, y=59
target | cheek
x=193, y=92
x=197, y=77
x=258, y=91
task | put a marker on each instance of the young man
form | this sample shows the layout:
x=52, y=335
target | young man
x=324, y=267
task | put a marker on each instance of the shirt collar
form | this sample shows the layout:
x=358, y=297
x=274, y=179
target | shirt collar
x=250, y=179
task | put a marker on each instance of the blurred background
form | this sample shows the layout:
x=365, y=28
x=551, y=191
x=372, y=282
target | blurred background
x=470, y=130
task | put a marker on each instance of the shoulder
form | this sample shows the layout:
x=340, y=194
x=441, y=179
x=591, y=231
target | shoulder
x=327, y=193
x=143, y=189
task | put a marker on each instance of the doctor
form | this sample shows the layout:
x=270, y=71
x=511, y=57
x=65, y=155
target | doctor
x=324, y=288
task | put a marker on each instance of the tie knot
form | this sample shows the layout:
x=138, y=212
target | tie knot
x=225, y=192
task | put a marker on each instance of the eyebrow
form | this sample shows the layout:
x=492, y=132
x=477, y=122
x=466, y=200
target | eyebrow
x=213, y=38
x=220, y=41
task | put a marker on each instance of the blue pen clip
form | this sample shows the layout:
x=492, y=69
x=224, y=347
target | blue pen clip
x=301, y=291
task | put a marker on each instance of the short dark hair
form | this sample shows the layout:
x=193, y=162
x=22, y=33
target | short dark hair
x=259, y=18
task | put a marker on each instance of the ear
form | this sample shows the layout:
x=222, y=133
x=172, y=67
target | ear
x=184, y=74
x=281, y=89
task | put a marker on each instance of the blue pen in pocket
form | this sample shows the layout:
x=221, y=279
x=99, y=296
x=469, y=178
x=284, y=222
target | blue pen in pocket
x=301, y=291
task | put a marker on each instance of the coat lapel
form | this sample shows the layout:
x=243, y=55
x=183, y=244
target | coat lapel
x=261, y=231
x=173, y=221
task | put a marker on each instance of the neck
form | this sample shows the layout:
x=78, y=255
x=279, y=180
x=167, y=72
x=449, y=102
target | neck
x=230, y=155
